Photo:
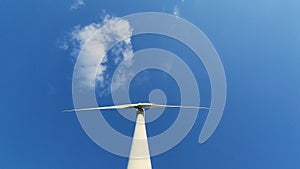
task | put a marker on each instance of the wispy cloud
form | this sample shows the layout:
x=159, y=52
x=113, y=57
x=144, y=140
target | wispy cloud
x=176, y=11
x=77, y=4
x=99, y=38
x=63, y=43
x=173, y=7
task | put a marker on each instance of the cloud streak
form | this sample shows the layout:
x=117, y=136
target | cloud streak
x=173, y=7
x=77, y=4
x=176, y=11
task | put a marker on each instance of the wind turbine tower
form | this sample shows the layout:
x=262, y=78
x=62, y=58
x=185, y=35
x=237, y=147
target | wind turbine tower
x=139, y=157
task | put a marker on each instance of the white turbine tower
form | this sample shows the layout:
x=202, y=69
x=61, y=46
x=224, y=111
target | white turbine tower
x=139, y=154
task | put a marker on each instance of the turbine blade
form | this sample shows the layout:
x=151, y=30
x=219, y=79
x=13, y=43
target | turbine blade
x=123, y=106
x=176, y=106
x=138, y=105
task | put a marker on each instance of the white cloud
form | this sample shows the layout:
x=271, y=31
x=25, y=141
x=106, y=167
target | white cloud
x=173, y=7
x=124, y=73
x=99, y=37
x=63, y=44
x=77, y=4
x=176, y=11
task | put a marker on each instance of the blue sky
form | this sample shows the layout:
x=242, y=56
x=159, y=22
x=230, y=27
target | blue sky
x=258, y=43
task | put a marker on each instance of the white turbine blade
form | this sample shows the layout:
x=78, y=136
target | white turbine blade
x=123, y=106
x=175, y=106
x=138, y=105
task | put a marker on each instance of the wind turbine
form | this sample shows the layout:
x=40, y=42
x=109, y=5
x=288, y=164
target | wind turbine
x=139, y=157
